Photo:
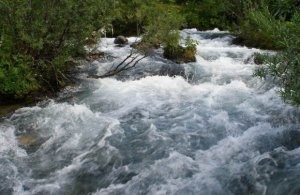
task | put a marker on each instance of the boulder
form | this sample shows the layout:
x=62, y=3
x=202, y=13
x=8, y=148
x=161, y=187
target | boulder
x=189, y=55
x=180, y=54
x=121, y=40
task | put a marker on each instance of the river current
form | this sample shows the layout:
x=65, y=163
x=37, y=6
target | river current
x=203, y=128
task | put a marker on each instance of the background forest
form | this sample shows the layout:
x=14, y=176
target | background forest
x=39, y=40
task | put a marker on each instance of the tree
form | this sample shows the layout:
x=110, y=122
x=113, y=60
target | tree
x=39, y=37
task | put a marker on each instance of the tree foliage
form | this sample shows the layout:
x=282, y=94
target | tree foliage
x=285, y=65
x=38, y=37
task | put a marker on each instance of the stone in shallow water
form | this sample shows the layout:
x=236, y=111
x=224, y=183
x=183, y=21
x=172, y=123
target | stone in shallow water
x=27, y=140
x=30, y=141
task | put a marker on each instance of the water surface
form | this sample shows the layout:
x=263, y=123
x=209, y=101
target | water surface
x=214, y=129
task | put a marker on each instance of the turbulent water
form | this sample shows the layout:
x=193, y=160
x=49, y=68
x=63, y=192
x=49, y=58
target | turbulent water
x=212, y=129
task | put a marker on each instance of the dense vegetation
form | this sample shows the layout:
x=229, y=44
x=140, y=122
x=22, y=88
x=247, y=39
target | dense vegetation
x=38, y=39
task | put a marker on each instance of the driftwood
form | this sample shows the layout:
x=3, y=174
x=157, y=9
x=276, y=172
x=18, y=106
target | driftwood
x=129, y=62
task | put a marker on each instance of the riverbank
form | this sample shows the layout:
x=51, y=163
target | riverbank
x=10, y=104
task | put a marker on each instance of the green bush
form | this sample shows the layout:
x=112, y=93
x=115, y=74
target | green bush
x=178, y=53
x=285, y=65
x=259, y=29
x=283, y=9
x=16, y=77
x=161, y=24
x=38, y=37
x=206, y=14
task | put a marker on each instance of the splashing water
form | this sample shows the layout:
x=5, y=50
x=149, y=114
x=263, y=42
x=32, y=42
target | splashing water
x=216, y=130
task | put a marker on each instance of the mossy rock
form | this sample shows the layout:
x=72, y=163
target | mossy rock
x=180, y=54
x=189, y=54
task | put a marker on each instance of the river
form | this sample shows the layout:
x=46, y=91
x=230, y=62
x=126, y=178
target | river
x=212, y=129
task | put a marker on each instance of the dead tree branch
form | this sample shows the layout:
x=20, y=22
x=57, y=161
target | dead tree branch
x=129, y=62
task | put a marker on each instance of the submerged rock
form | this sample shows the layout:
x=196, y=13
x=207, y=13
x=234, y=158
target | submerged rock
x=292, y=139
x=30, y=141
x=172, y=70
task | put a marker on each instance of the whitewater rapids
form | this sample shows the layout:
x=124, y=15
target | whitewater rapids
x=212, y=129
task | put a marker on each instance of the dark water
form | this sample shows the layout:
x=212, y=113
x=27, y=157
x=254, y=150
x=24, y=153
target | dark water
x=218, y=130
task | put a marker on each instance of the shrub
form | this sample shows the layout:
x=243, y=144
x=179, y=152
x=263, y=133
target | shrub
x=178, y=53
x=38, y=37
x=285, y=65
x=259, y=29
x=16, y=77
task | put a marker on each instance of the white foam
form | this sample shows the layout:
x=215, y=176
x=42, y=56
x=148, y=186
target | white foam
x=185, y=137
x=8, y=142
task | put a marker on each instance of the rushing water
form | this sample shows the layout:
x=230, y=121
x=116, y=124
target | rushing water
x=213, y=130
